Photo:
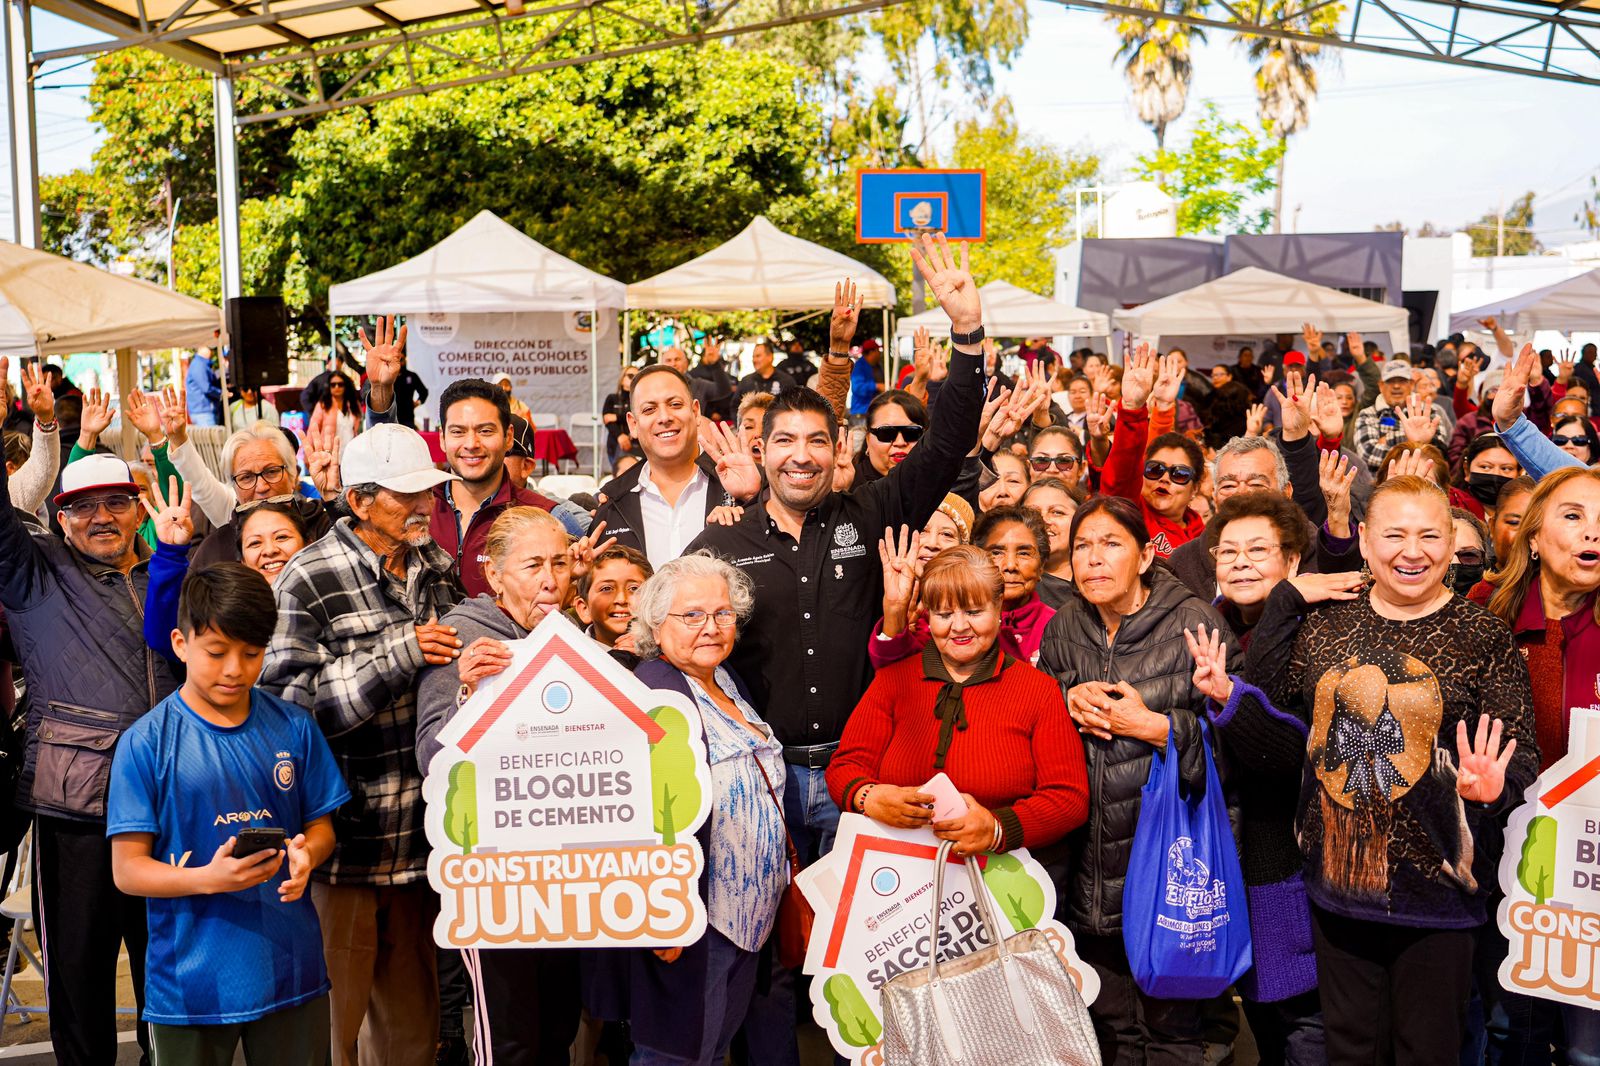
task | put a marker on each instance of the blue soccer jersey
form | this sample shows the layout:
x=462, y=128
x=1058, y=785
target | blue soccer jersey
x=237, y=956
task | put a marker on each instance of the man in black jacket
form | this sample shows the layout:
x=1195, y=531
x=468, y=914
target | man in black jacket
x=75, y=609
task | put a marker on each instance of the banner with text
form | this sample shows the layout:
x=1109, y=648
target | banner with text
x=1550, y=874
x=546, y=354
x=563, y=805
x=871, y=897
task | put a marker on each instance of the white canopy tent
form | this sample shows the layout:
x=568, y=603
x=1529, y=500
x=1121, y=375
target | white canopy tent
x=1258, y=302
x=488, y=266
x=760, y=268
x=1566, y=307
x=50, y=305
x=1010, y=311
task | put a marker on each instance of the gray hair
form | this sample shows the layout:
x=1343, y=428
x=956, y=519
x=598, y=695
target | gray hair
x=655, y=597
x=1241, y=445
x=366, y=492
x=259, y=430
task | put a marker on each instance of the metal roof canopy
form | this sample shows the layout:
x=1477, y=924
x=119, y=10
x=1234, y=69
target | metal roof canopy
x=272, y=41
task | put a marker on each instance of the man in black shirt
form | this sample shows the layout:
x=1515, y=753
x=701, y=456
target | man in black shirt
x=764, y=378
x=811, y=551
x=719, y=400
x=796, y=365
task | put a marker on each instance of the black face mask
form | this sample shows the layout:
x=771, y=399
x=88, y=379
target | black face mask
x=1485, y=488
x=1463, y=577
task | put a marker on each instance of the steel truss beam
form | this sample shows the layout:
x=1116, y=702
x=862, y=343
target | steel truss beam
x=1559, y=42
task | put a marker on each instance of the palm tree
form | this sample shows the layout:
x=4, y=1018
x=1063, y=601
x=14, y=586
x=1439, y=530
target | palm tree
x=1286, y=73
x=1157, y=53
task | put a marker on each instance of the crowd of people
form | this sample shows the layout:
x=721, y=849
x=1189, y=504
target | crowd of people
x=1373, y=581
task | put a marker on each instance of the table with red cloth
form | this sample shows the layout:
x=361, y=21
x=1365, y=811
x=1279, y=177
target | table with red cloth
x=550, y=446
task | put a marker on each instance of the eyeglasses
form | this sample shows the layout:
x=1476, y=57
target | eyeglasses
x=118, y=504
x=1255, y=553
x=248, y=479
x=1041, y=463
x=887, y=434
x=1470, y=557
x=1180, y=474
x=1563, y=440
x=724, y=618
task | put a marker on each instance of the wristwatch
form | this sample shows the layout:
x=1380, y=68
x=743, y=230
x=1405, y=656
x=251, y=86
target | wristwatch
x=967, y=339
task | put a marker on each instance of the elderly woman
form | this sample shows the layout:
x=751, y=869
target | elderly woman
x=1056, y=501
x=684, y=1005
x=1116, y=646
x=1015, y=539
x=1405, y=777
x=948, y=526
x=528, y=1001
x=996, y=726
x=1010, y=481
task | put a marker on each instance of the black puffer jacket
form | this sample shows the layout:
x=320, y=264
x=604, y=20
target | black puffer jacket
x=1148, y=653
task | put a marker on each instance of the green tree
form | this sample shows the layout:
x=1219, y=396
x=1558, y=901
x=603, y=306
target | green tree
x=1286, y=72
x=858, y=1023
x=461, y=806
x=1029, y=194
x=1156, y=55
x=1019, y=895
x=1218, y=176
x=674, y=786
x=1536, y=870
x=1507, y=234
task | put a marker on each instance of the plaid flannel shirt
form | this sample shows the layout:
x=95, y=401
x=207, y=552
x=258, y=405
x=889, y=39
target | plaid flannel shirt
x=1374, y=440
x=346, y=647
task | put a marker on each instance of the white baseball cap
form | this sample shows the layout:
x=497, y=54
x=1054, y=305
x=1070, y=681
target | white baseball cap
x=95, y=472
x=395, y=457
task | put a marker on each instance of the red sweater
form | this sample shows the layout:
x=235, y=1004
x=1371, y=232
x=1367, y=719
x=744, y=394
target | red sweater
x=1124, y=476
x=1019, y=756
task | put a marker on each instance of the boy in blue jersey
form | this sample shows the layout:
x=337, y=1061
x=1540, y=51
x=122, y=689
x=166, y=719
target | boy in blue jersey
x=235, y=951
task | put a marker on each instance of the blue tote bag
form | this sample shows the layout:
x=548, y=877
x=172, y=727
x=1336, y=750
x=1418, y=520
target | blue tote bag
x=1184, y=922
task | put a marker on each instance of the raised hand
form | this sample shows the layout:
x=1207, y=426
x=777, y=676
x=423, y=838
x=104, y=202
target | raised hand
x=145, y=415
x=1490, y=324
x=1097, y=417
x=846, y=316
x=996, y=399
x=736, y=467
x=1413, y=463
x=1564, y=368
x=844, y=465
x=587, y=548
x=1358, y=347
x=1325, y=588
x=900, y=574
x=1169, y=378
x=1512, y=394
x=1313, y=338
x=1326, y=414
x=170, y=513
x=951, y=282
x=41, y=399
x=95, y=420
x=174, y=408
x=322, y=462
x=1481, y=765
x=1295, y=401
x=1268, y=372
x=385, y=357
x=1138, y=377
x=939, y=363
x=1210, y=656
x=1255, y=420
x=1336, y=474
x=1419, y=422
x=1467, y=368
x=922, y=346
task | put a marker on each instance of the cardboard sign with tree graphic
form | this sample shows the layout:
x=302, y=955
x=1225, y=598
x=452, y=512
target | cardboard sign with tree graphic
x=1550, y=874
x=871, y=895
x=563, y=804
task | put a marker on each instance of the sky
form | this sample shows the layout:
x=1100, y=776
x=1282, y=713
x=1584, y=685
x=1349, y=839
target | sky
x=1389, y=138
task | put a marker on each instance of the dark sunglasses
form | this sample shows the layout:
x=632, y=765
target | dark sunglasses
x=1470, y=557
x=887, y=434
x=1180, y=474
x=1041, y=463
x=1562, y=439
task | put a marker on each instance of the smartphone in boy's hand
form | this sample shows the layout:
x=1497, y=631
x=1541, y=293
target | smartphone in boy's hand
x=257, y=839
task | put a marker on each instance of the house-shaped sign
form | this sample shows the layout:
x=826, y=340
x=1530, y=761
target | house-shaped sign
x=563, y=803
x=1550, y=873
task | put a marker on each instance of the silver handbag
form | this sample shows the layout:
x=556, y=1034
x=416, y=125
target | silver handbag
x=1010, y=1003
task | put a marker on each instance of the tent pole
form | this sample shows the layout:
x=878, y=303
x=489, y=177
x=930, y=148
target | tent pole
x=594, y=389
x=227, y=163
x=127, y=363
x=24, y=125
x=627, y=337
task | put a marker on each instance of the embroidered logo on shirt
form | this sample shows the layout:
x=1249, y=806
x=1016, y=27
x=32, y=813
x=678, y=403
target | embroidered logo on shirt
x=848, y=542
x=283, y=772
